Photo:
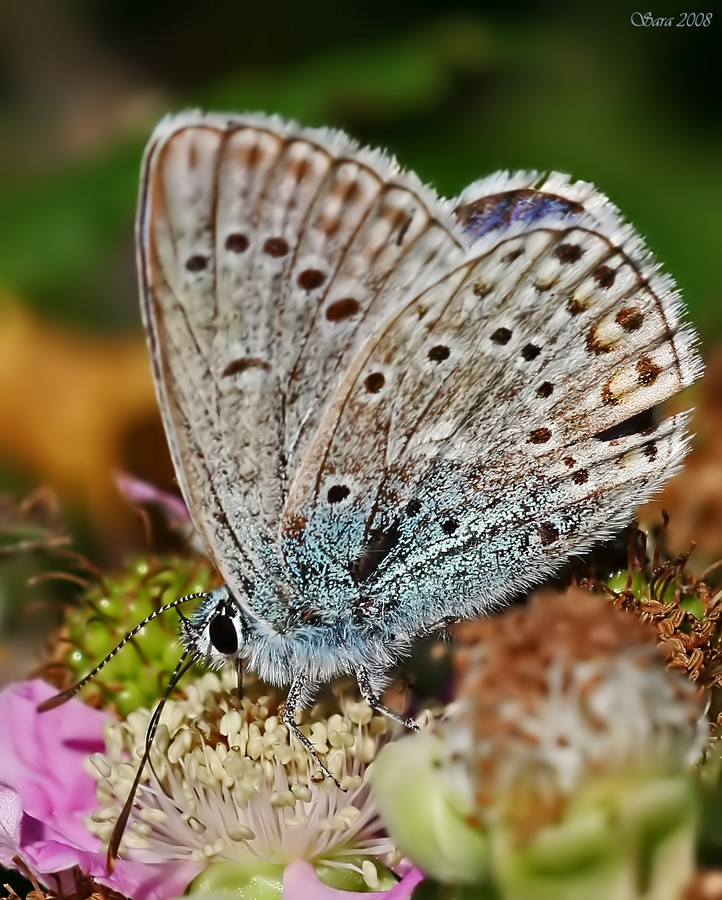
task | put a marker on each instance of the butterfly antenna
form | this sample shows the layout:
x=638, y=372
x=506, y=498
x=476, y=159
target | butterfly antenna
x=66, y=695
x=153, y=723
x=184, y=663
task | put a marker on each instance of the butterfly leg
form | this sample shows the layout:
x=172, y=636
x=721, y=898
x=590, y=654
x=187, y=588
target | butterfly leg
x=239, y=678
x=371, y=696
x=298, y=698
x=441, y=625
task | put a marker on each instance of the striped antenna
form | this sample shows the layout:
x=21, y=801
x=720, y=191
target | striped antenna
x=184, y=663
x=66, y=695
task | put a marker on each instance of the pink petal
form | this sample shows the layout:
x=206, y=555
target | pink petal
x=300, y=882
x=42, y=759
x=11, y=812
x=137, y=491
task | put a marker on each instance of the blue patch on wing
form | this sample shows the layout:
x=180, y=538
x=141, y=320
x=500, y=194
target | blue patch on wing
x=499, y=211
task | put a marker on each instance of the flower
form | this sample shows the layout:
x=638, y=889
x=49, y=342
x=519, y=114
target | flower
x=228, y=802
x=686, y=611
x=229, y=790
x=137, y=491
x=301, y=883
x=171, y=507
x=45, y=796
x=564, y=767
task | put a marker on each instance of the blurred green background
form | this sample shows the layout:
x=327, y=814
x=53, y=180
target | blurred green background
x=455, y=90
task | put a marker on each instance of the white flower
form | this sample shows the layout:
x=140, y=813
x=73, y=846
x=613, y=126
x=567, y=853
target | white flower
x=226, y=785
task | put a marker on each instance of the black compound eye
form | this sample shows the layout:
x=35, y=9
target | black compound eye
x=222, y=633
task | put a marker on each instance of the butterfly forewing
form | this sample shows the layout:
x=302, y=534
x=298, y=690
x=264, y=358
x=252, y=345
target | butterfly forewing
x=269, y=257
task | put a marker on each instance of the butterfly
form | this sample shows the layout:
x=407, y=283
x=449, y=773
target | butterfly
x=388, y=411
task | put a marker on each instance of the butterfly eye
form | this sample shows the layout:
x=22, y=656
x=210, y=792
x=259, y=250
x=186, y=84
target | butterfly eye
x=222, y=633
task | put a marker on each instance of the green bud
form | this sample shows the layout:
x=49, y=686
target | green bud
x=231, y=881
x=429, y=816
x=136, y=676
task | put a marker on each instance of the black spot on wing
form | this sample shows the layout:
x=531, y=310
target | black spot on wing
x=646, y=420
x=246, y=362
x=380, y=543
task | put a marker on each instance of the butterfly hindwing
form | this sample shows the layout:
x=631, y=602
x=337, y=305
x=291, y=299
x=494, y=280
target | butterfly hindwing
x=504, y=418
